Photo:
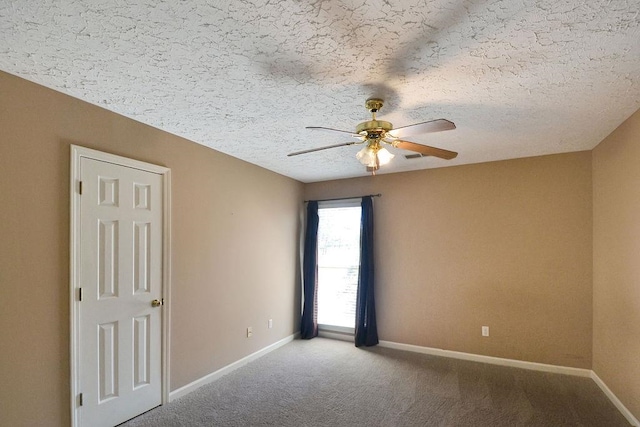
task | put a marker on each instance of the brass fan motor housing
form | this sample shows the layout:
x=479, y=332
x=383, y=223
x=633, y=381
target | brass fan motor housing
x=373, y=128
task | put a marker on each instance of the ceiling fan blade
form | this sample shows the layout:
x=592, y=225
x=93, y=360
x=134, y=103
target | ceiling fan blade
x=419, y=128
x=355, y=135
x=425, y=149
x=311, y=150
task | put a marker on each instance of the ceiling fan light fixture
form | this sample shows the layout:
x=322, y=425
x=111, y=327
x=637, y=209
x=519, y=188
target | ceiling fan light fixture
x=374, y=156
x=376, y=133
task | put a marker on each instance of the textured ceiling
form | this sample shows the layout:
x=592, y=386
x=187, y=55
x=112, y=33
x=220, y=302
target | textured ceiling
x=518, y=77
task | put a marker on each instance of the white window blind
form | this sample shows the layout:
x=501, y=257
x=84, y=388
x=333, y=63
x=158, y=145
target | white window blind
x=338, y=263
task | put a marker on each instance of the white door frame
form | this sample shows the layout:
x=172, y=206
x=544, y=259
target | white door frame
x=77, y=153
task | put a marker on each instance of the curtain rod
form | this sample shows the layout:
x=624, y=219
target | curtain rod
x=345, y=198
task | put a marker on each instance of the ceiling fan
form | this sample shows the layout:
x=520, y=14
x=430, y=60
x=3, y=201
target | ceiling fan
x=378, y=133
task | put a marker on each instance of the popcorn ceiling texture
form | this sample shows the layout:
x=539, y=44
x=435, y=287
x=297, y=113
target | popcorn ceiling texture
x=518, y=77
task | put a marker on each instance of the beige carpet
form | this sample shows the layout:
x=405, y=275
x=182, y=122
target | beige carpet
x=323, y=382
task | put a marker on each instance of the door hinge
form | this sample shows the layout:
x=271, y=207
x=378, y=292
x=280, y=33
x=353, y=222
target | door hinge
x=80, y=399
x=80, y=187
x=79, y=294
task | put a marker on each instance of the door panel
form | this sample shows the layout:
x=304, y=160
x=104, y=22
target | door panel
x=107, y=259
x=108, y=362
x=141, y=257
x=120, y=275
x=141, y=351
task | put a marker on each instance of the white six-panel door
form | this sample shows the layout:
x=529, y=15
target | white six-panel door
x=119, y=303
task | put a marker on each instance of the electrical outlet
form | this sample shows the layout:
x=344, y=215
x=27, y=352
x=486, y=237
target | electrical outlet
x=270, y=324
x=249, y=332
x=485, y=331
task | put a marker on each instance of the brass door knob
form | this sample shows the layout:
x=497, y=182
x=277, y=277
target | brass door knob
x=156, y=303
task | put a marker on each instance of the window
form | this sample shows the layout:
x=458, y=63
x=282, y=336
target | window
x=338, y=264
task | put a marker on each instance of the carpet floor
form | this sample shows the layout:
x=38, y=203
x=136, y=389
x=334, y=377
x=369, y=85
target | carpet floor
x=325, y=382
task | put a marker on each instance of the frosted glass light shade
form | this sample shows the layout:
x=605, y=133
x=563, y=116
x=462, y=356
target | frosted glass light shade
x=384, y=156
x=367, y=156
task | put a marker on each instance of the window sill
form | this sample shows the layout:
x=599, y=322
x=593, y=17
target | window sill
x=326, y=331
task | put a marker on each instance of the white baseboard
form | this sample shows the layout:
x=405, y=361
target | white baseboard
x=520, y=364
x=533, y=366
x=614, y=399
x=417, y=349
x=229, y=368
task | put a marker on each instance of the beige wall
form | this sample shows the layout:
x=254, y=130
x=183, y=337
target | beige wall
x=234, y=231
x=616, y=262
x=505, y=244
